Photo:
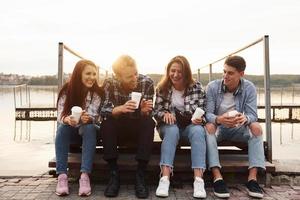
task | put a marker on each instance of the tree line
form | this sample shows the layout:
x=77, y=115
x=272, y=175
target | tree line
x=276, y=80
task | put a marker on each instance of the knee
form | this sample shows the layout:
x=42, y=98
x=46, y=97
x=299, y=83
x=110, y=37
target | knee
x=255, y=129
x=197, y=132
x=63, y=129
x=171, y=132
x=210, y=128
x=148, y=122
x=88, y=128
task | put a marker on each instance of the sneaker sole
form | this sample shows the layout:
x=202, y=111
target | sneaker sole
x=162, y=195
x=225, y=195
x=84, y=195
x=61, y=194
x=199, y=197
x=256, y=195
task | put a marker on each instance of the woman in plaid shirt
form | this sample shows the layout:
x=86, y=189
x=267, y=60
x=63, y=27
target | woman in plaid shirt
x=177, y=97
x=82, y=90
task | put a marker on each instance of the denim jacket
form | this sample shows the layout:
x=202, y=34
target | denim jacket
x=245, y=100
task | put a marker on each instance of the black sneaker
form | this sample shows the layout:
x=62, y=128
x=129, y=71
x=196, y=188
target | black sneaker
x=220, y=189
x=254, y=189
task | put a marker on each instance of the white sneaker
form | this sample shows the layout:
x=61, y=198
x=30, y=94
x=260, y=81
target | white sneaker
x=199, y=191
x=163, y=187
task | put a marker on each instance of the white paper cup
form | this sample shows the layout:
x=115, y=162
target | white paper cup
x=233, y=113
x=136, y=96
x=76, y=113
x=198, y=113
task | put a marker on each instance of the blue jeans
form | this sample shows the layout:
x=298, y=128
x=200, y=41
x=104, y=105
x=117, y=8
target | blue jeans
x=170, y=134
x=238, y=134
x=64, y=135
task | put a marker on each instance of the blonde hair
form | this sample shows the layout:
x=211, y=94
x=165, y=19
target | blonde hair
x=122, y=63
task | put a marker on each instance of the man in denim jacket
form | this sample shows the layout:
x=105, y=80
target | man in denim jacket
x=231, y=112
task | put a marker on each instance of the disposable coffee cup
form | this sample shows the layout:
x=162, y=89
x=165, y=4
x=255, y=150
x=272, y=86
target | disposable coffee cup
x=76, y=113
x=198, y=113
x=233, y=113
x=136, y=96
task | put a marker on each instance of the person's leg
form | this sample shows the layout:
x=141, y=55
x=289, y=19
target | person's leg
x=212, y=136
x=253, y=136
x=62, y=143
x=109, y=132
x=88, y=147
x=196, y=137
x=256, y=150
x=170, y=137
x=212, y=150
x=88, y=133
x=256, y=159
x=145, y=136
x=255, y=153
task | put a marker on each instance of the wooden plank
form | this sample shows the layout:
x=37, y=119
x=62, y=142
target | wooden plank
x=182, y=163
x=226, y=147
x=36, y=114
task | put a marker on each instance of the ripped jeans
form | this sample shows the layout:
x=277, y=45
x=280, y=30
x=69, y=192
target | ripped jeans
x=170, y=135
x=237, y=134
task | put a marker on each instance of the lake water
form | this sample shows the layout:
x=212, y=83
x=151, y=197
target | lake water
x=27, y=148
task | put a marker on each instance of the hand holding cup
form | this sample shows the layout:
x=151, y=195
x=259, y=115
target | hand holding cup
x=76, y=113
x=136, y=96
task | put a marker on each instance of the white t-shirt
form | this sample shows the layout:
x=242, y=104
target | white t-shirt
x=227, y=104
x=177, y=99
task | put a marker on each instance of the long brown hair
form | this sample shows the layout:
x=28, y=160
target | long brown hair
x=165, y=83
x=75, y=90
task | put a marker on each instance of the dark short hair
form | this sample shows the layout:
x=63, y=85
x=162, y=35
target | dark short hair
x=237, y=62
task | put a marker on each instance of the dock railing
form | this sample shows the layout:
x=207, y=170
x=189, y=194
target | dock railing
x=61, y=48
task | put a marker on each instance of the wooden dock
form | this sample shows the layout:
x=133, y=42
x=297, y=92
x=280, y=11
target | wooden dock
x=280, y=113
x=36, y=114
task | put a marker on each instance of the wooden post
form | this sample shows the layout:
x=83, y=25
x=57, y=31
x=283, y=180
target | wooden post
x=210, y=73
x=198, y=74
x=15, y=98
x=60, y=72
x=267, y=96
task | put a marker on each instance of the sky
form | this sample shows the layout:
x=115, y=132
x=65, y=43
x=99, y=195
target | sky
x=152, y=32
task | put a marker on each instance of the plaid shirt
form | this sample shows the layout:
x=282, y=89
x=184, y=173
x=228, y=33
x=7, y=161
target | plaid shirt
x=116, y=96
x=195, y=97
x=92, y=106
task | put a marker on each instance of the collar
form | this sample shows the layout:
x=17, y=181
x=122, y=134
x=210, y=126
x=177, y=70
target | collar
x=224, y=88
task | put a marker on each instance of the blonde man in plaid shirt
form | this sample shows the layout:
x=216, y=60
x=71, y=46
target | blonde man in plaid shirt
x=123, y=121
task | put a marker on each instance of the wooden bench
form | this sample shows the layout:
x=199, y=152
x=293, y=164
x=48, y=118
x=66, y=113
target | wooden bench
x=233, y=158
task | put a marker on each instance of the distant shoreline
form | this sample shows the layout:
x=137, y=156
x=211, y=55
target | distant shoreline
x=277, y=80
